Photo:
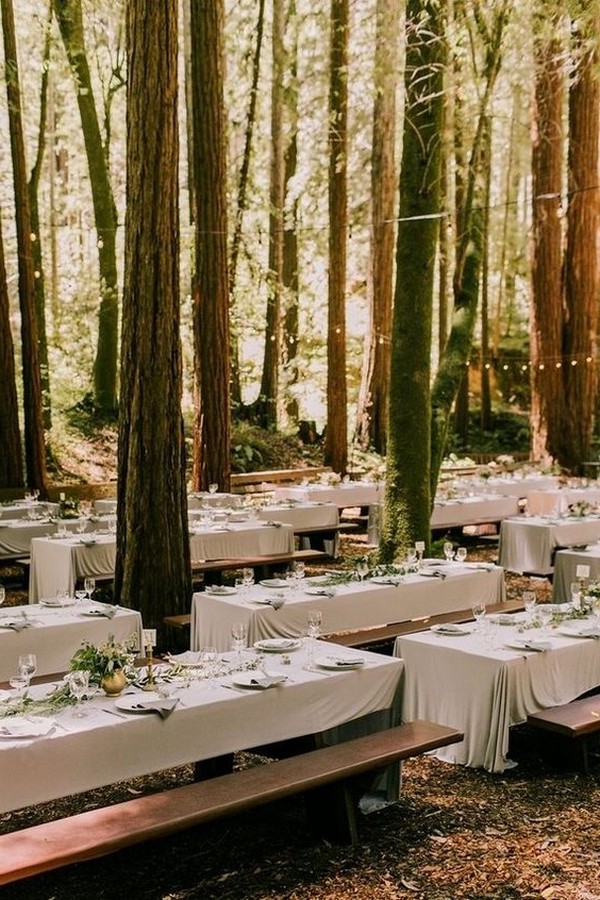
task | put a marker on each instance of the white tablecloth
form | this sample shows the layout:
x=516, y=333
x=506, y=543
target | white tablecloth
x=102, y=748
x=16, y=534
x=565, y=569
x=353, y=606
x=55, y=634
x=301, y=516
x=527, y=543
x=514, y=486
x=463, y=682
x=20, y=509
x=56, y=564
x=456, y=513
x=556, y=502
x=354, y=493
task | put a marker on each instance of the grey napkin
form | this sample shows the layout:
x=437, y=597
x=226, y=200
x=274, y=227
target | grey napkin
x=276, y=602
x=16, y=626
x=267, y=681
x=323, y=592
x=164, y=708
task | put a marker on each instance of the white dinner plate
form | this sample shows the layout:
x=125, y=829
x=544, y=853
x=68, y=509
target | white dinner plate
x=580, y=631
x=189, y=658
x=277, y=645
x=220, y=590
x=274, y=583
x=20, y=727
x=341, y=663
x=257, y=681
x=386, y=579
x=137, y=703
x=450, y=629
x=58, y=604
x=320, y=591
x=524, y=644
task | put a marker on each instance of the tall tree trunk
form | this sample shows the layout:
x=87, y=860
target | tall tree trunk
x=374, y=393
x=486, y=397
x=11, y=463
x=32, y=386
x=336, y=440
x=70, y=21
x=407, y=497
x=211, y=296
x=582, y=259
x=36, y=247
x=267, y=401
x=546, y=264
x=241, y=200
x=153, y=555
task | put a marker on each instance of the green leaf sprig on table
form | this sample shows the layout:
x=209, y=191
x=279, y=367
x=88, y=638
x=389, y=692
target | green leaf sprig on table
x=60, y=698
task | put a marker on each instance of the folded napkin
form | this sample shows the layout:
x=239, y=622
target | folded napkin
x=267, y=681
x=449, y=628
x=342, y=661
x=15, y=626
x=273, y=524
x=164, y=707
x=24, y=727
x=107, y=612
x=432, y=573
x=536, y=645
x=323, y=592
x=275, y=602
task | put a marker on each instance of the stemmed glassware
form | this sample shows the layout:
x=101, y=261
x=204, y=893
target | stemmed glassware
x=213, y=488
x=530, y=603
x=78, y=685
x=27, y=666
x=89, y=586
x=315, y=620
x=362, y=567
x=545, y=615
x=478, y=610
x=208, y=659
x=461, y=554
x=449, y=550
x=575, y=591
x=239, y=633
x=20, y=683
x=248, y=577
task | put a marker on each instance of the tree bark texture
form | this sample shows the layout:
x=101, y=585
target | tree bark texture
x=211, y=296
x=374, y=392
x=336, y=439
x=11, y=463
x=407, y=503
x=153, y=557
x=546, y=263
x=35, y=454
x=70, y=20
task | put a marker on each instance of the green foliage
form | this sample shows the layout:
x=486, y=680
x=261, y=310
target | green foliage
x=256, y=449
x=511, y=434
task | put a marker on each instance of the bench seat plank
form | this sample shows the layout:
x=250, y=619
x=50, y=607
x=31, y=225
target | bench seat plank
x=98, y=832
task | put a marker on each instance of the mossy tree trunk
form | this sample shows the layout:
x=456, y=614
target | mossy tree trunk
x=70, y=20
x=11, y=463
x=153, y=556
x=336, y=438
x=35, y=453
x=211, y=296
x=407, y=503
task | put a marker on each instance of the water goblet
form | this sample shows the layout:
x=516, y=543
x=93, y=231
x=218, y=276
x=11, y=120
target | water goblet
x=449, y=550
x=530, y=603
x=89, y=586
x=545, y=616
x=575, y=591
x=461, y=554
x=315, y=620
x=478, y=610
x=80, y=596
x=362, y=567
x=20, y=683
x=2, y=594
x=239, y=633
x=27, y=665
x=79, y=682
x=208, y=659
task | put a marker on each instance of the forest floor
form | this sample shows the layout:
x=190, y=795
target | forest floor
x=532, y=832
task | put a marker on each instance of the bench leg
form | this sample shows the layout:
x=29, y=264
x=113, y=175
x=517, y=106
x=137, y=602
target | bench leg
x=212, y=768
x=585, y=759
x=331, y=813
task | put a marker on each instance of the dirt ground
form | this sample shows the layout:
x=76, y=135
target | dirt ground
x=533, y=832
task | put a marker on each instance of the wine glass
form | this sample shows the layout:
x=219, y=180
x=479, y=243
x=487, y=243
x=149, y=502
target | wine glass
x=239, y=633
x=248, y=576
x=89, y=586
x=80, y=596
x=461, y=554
x=79, y=682
x=478, y=610
x=530, y=602
x=545, y=615
x=213, y=488
x=362, y=567
x=27, y=665
x=575, y=591
x=315, y=620
x=208, y=659
x=20, y=683
x=449, y=550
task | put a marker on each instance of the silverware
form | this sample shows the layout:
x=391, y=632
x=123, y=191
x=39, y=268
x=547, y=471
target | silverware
x=114, y=712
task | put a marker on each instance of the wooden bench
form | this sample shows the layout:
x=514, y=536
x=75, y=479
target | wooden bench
x=383, y=634
x=262, y=565
x=341, y=768
x=576, y=720
x=259, y=482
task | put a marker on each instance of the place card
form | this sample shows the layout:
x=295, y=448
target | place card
x=420, y=546
x=582, y=572
x=148, y=637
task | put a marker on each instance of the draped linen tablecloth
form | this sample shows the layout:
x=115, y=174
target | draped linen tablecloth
x=565, y=570
x=353, y=605
x=20, y=509
x=513, y=486
x=527, y=544
x=354, y=493
x=482, y=689
x=102, y=748
x=16, y=535
x=57, y=564
x=557, y=502
x=55, y=634
x=461, y=511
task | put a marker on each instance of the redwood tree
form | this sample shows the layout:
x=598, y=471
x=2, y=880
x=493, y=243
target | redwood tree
x=11, y=464
x=153, y=556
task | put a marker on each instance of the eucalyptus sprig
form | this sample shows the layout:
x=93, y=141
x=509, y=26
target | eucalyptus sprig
x=60, y=698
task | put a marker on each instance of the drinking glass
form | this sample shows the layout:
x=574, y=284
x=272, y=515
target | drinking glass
x=239, y=633
x=80, y=596
x=530, y=602
x=213, y=488
x=411, y=556
x=461, y=554
x=20, y=684
x=449, y=550
x=362, y=567
x=2, y=594
x=89, y=586
x=27, y=665
x=575, y=591
x=478, y=610
x=208, y=659
x=315, y=620
x=79, y=682
x=545, y=615
x=248, y=576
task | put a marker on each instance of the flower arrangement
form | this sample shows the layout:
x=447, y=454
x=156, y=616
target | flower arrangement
x=580, y=509
x=106, y=658
x=68, y=508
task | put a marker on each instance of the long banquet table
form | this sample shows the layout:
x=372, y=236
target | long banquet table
x=566, y=563
x=107, y=746
x=347, y=494
x=54, y=634
x=484, y=688
x=353, y=605
x=472, y=510
x=57, y=564
x=16, y=535
x=527, y=544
